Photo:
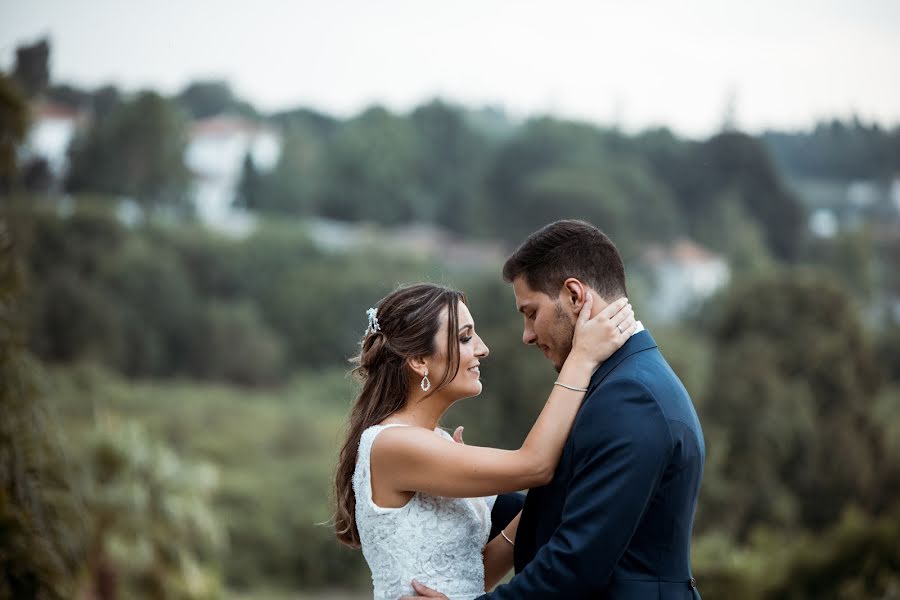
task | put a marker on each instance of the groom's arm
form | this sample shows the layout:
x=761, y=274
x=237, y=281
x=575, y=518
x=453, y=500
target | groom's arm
x=622, y=444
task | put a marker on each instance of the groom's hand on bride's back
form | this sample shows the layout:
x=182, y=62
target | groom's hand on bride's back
x=423, y=591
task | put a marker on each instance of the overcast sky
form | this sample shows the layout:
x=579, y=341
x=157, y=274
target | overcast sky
x=638, y=63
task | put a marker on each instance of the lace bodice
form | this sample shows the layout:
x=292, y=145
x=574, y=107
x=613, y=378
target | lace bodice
x=433, y=539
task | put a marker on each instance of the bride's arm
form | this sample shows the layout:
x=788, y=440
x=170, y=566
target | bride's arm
x=498, y=555
x=416, y=460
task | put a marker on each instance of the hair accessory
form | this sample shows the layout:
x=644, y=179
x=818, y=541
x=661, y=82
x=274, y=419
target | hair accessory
x=372, y=313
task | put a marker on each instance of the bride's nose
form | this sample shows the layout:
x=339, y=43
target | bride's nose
x=483, y=350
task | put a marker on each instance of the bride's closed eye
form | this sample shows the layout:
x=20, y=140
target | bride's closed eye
x=466, y=339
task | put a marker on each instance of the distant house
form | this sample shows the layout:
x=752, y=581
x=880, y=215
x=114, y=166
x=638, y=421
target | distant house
x=836, y=206
x=52, y=128
x=684, y=274
x=215, y=154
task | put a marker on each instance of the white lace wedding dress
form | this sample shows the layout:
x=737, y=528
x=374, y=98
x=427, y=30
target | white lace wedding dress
x=435, y=540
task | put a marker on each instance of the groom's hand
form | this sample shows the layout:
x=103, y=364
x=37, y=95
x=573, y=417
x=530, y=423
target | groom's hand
x=423, y=591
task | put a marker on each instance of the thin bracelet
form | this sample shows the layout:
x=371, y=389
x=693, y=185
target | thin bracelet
x=570, y=387
x=511, y=543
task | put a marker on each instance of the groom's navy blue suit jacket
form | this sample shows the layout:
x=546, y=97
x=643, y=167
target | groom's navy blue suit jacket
x=615, y=522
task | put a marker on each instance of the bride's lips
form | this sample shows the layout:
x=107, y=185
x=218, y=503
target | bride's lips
x=475, y=369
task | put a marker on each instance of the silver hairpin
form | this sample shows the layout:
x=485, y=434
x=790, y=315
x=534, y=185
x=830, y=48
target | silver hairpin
x=372, y=313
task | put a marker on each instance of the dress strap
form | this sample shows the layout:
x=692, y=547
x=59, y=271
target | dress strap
x=362, y=480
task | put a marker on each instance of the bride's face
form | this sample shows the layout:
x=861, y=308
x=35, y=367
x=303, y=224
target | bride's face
x=467, y=382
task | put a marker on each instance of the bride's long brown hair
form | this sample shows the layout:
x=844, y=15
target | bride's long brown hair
x=408, y=318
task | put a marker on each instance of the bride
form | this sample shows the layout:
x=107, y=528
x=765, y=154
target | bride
x=415, y=500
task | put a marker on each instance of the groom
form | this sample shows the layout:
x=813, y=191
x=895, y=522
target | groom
x=615, y=522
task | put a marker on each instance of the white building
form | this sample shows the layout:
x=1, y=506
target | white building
x=215, y=154
x=684, y=274
x=52, y=128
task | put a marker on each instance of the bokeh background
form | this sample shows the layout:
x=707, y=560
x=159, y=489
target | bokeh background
x=201, y=199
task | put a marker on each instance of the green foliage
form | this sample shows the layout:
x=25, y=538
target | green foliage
x=13, y=126
x=236, y=345
x=370, y=172
x=554, y=169
x=795, y=379
x=451, y=163
x=857, y=558
x=250, y=187
x=137, y=151
x=851, y=257
x=150, y=519
x=171, y=301
x=297, y=181
x=889, y=350
x=838, y=150
x=203, y=99
x=734, y=161
x=38, y=516
x=274, y=452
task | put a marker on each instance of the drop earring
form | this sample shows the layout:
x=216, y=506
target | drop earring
x=425, y=384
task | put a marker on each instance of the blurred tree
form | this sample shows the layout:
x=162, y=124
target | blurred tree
x=68, y=95
x=889, y=350
x=837, y=150
x=71, y=314
x=316, y=124
x=851, y=257
x=372, y=172
x=39, y=516
x=32, y=70
x=451, y=164
x=150, y=518
x=233, y=344
x=36, y=175
x=857, y=559
x=74, y=319
x=250, y=186
x=156, y=310
x=100, y=102
x=552, y=170
x=795, y=378
x=540, y=145
x=729, y=228
x=104, y=100
x=13, y=127
x=315, y=326
x=297, y=182
x=737, y=162
x=137, y=151
x=202, y=99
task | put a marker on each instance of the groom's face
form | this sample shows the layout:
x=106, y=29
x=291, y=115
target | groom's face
x=549, y=322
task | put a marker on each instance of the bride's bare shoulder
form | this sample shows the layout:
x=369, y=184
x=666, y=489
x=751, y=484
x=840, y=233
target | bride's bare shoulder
x=402, y=443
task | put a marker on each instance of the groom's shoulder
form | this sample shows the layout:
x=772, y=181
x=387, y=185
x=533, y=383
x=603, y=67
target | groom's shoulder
x=625, y=394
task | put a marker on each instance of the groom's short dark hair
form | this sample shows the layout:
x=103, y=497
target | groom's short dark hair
x=566, y=249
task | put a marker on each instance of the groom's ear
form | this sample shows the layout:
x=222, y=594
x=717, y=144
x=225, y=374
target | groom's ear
x=575, y=293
